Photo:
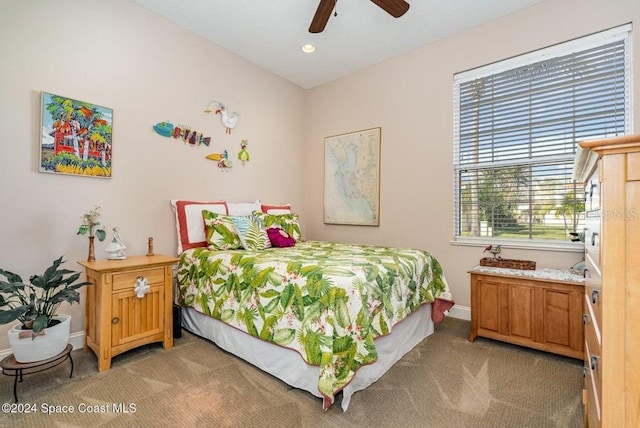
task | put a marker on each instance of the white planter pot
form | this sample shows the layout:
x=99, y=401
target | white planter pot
x=51, y=343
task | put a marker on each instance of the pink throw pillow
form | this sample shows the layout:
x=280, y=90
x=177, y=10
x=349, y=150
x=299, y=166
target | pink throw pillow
x=280, y=238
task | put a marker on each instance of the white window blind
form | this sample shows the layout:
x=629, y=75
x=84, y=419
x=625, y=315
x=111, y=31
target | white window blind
x=517, y=125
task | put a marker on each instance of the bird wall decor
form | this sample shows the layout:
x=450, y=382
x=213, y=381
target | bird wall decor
x=222, y=158
x=243, y=154
x=229, y=120
x=494, y=250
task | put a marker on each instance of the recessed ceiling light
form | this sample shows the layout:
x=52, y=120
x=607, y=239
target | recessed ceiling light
x=308, y=48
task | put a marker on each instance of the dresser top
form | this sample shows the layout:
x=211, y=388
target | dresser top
x=560, y=275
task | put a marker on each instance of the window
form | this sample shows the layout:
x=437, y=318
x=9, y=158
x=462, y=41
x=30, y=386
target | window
x=517, y=125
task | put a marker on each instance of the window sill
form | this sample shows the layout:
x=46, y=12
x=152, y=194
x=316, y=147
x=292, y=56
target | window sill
x=570, y=247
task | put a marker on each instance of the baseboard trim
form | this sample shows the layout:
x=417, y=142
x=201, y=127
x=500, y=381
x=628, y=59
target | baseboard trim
x=460, y=312
x=75, y=339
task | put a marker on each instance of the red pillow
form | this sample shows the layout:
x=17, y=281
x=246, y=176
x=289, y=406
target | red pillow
x=280, y=238
x=276, y=209
x=189, y=223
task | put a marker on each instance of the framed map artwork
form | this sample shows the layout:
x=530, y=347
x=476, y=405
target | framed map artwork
x=352, y=178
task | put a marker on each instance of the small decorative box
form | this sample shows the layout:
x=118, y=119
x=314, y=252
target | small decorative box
x=508, y=263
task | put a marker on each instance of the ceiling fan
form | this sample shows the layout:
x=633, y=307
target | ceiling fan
x=395, y=8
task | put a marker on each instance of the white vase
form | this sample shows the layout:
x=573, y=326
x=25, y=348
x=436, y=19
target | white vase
x=29, y=349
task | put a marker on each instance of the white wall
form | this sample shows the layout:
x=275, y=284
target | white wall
x=411, y=98
x=119, y=55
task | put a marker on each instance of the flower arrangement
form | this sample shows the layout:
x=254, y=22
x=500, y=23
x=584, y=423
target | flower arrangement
x=91, y=225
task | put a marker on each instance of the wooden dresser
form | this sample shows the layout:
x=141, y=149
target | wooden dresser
x=117, y=319
x=540, y=309
x=610, y=169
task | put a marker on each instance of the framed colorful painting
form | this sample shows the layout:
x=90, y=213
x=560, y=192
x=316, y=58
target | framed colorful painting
x=75, y=137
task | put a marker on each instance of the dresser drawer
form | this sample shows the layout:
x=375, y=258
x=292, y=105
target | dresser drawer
x=127, y=280
x=592, y=190
x=592, y=234
x=594, y=300
x=593, y=344
x=593, y=291
x=593, y=411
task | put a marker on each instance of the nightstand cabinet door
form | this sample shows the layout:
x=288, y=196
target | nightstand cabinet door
x=134, y=318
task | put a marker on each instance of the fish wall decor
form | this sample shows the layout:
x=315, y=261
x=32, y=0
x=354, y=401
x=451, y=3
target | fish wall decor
x=192, y=137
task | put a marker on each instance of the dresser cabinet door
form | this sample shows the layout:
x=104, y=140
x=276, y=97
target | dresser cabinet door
x=492, y=302
x=520, y=304
x=563, y=318
x=505, y=309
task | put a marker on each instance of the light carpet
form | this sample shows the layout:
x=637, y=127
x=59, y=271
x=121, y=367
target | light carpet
x=445, y=381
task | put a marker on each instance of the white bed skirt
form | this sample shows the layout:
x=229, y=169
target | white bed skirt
x=288, y=366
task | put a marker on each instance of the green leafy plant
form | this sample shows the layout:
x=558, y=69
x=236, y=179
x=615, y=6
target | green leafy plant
x=91, y=224
x=36, y=303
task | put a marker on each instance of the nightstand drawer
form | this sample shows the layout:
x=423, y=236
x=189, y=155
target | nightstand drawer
x=127, y=280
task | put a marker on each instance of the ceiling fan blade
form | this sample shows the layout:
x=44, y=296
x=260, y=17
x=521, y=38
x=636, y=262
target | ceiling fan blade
x=395, y=8
x=322, y=15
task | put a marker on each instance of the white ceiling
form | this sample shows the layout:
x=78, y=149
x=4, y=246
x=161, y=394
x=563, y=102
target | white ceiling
x=270, y=33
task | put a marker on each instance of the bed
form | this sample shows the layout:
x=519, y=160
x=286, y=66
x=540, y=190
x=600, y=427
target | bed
x=334, y=305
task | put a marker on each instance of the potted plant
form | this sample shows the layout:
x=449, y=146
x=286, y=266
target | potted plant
x=41, y=333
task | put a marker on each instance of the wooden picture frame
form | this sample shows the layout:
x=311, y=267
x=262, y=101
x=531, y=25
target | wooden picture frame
x=352, y=178
x=76, y=137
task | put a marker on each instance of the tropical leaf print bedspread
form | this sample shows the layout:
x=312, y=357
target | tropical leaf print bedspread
x=327, y=301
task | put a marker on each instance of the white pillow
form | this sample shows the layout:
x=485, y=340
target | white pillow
x=189, y=222
x=243, y=208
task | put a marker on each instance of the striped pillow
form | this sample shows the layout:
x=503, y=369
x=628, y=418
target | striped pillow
x=253, y=236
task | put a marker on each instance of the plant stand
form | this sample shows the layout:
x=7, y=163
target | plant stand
x=11, y=367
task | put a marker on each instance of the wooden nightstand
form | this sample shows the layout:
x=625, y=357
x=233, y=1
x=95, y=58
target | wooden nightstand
x=116, y=319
